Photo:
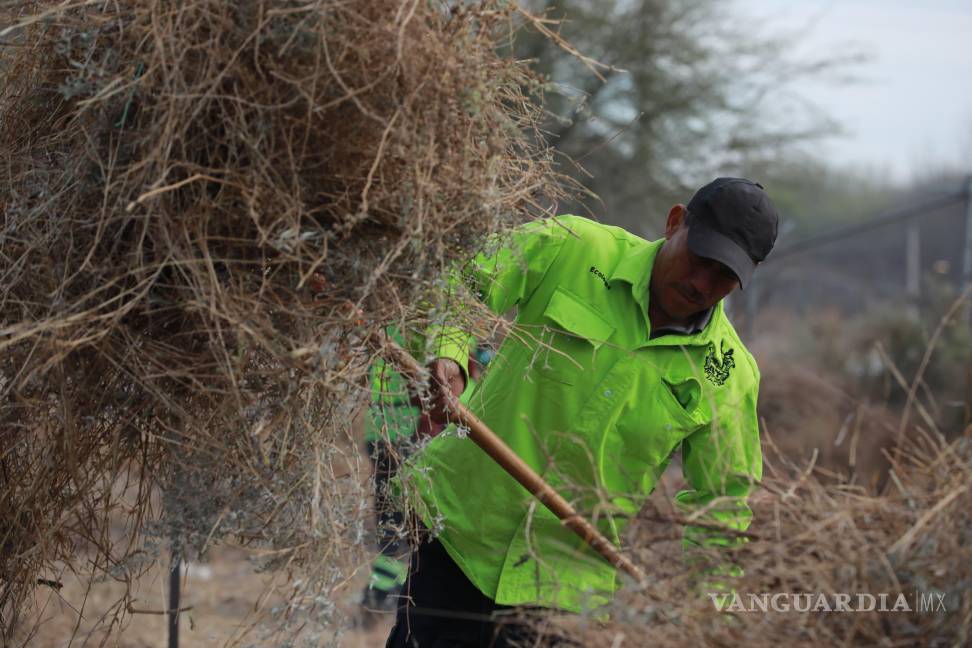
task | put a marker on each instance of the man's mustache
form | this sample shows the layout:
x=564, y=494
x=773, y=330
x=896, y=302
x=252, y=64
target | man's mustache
x=691, y=294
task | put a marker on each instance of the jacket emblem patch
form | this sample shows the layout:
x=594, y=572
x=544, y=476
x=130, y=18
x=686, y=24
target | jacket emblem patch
x=715, y=370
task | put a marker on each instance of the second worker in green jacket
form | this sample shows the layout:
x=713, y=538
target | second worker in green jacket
x=621, y=355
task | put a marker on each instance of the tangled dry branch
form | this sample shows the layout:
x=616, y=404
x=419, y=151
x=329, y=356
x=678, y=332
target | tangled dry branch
x=207, y=208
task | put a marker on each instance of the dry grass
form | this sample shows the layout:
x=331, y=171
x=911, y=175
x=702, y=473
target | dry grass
x=809, y=538
x=209, y=207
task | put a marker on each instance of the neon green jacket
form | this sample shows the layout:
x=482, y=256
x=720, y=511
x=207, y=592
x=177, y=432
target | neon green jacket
x=390, y=415
x=582, y=394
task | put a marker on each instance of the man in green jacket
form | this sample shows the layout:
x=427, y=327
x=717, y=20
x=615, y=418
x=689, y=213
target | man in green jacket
x=393, y=426
x=621, y=354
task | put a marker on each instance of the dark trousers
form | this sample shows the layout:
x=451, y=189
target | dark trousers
x=441, y=608
x=388, y=519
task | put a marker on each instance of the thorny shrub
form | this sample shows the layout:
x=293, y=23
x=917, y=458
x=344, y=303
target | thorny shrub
x=208, y=208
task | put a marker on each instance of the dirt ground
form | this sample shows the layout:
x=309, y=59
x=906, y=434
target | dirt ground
x=226, y=596
x=230, y=602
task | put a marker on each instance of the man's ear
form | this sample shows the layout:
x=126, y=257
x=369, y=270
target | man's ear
x=676, y=219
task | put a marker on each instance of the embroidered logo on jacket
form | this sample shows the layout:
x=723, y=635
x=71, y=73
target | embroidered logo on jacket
x=597, y=273
x=715, y=370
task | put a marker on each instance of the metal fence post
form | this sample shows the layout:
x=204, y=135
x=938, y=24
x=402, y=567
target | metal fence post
x=966, y=280
x=913, y=266
x=175, y=573
x=176, y=547
x=967, y=252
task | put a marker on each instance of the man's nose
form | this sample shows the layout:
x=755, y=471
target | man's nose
x=701, y=282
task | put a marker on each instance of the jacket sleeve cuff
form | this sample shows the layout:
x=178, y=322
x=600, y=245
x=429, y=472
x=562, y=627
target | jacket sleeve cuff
x=450, y=342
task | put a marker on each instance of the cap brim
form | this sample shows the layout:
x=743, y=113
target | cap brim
x=710, y=244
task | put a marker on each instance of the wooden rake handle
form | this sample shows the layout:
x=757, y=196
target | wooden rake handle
x=502, y=454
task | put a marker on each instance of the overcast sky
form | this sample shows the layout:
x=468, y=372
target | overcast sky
x=912, y=110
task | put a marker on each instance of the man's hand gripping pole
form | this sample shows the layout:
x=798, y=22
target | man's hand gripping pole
x=501, y=453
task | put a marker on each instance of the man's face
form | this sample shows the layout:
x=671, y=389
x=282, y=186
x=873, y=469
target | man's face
x=682, y=283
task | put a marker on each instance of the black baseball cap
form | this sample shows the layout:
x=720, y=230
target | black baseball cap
x=733, y=221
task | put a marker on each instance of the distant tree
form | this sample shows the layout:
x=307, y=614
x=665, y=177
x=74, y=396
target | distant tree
x=815, y=195
x=685, y=89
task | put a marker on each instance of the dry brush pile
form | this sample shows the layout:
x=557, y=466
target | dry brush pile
x=825, y=564
x=208, y=207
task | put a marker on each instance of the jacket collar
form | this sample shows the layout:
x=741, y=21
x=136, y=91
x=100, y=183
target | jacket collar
x=635, y=269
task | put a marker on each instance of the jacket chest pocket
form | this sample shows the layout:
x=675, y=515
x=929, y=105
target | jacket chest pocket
x=655, y=423
x=571, y=337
